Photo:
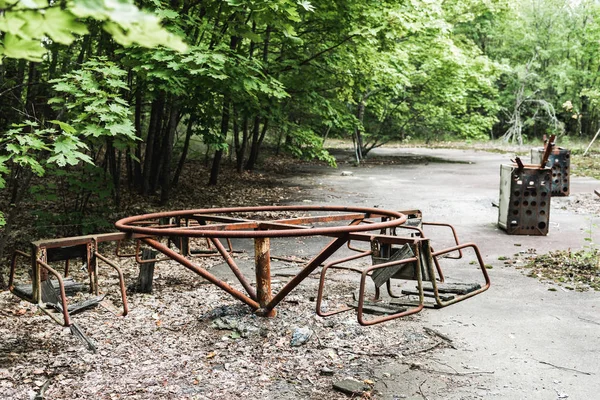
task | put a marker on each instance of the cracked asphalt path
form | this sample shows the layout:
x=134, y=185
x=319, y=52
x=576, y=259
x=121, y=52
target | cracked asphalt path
x=518, y=340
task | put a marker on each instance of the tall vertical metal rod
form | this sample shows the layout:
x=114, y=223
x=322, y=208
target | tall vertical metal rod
x=262, y=260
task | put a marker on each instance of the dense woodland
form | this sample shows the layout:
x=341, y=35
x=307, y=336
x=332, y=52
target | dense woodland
x=99, y=97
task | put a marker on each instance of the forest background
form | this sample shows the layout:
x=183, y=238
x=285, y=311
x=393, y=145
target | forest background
x=106, y=99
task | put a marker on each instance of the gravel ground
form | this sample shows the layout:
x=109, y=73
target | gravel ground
x=190, y=340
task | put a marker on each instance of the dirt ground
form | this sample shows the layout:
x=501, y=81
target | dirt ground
x=518, y=340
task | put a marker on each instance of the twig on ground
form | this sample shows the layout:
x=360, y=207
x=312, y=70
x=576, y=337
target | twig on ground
x=422, y=350
x=589, y=320
x=440, y=335
x=421, y=390
x=321, y=346
x=457, y=373
x=446, y=365
x=565, y=368
x=370, y=354
x=42, y=392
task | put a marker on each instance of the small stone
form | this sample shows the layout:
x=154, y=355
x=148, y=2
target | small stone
x=301, y=336
x=347, y=173
x=326, y=371
x=350, y=386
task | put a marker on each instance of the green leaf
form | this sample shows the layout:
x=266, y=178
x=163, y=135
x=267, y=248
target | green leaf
x=15, y=47
x=125, y=128
x=127, y=24
x=11, y=23
x=56, y=100
x=94, y=130
x=62, y=25
x=64, y=126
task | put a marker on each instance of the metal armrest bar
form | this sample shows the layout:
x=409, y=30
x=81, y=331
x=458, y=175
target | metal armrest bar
x=441, y=303
x=456, y=242
x=334, y=265
x=361, y=295
x=121, y=281
x=63, y=295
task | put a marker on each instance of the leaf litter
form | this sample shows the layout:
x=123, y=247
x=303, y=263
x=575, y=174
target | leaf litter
x=573, y=270
x=190, y=340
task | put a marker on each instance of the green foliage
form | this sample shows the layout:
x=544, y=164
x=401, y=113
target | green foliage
x=92, y=99
x=28, y=26
x=549, y=47
x=305, y=144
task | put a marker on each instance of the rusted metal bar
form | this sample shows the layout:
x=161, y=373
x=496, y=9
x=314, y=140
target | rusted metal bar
x=202, y=218
x=121, y=281
x=231, y=230
x=385, y=239
x=313, y=264
x=328, y=218
x=234, y=268
x=78, y=240
x=333, y=265
x=454, y=234
x=202, y=272
x=37, y=253
x=435, y=254
x=361, y=295
x=92, y=264
x=63, y=295
x=547, y=150
x=262, y=259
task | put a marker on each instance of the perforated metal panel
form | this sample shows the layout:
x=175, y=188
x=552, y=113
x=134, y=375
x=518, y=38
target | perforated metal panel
x=524, y=206
x=560, y=163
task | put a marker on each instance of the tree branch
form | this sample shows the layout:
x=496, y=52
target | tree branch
x=319, y=54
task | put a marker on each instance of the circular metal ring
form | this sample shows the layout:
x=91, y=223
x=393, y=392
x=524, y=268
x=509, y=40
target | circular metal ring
x=258, y=228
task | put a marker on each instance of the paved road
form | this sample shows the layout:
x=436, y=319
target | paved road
x=529, y=342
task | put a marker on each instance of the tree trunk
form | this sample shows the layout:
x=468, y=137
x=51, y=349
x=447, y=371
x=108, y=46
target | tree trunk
x=184, y=151
x=167, y=150
x=137, y=164
x=252, y=158
x=216, y=165
x=244, y=146
x=114, y=166
x=153, y=129
x=360, y=115
x=214, y=171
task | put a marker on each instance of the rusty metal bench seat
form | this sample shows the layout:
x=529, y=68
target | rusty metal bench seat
x=446, y=291
x=54, y=293
x=25, y=291
x=412, y=259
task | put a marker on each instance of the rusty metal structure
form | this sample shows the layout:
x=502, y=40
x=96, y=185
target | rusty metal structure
x=525, y=191
x=393, y=244
x=559, y=162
